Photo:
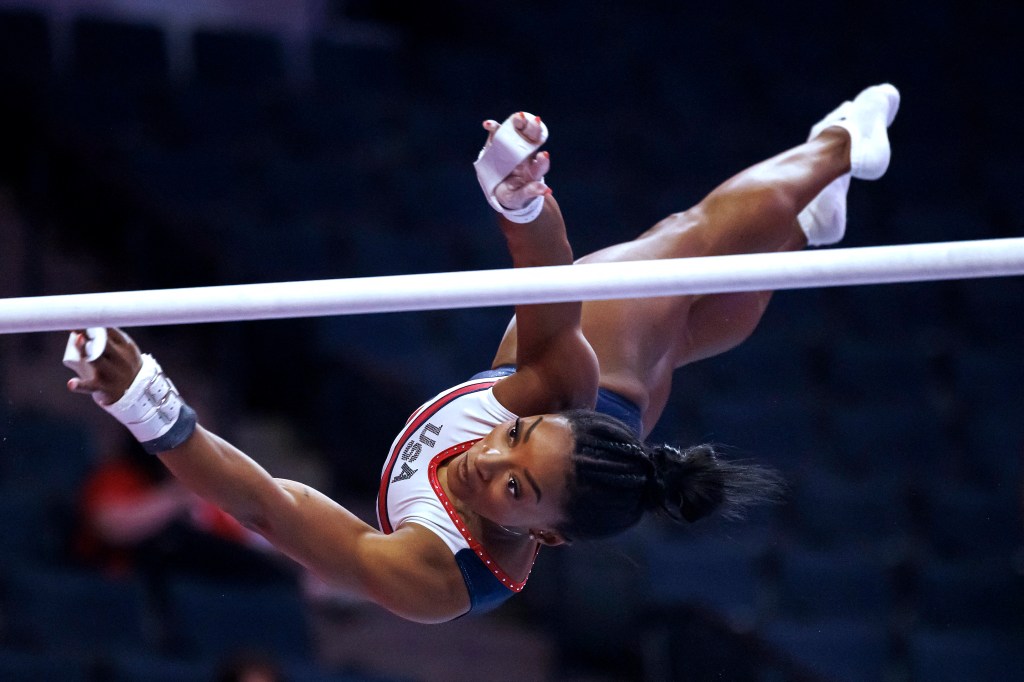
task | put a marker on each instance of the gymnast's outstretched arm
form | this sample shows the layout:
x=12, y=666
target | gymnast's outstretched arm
x=409, y=572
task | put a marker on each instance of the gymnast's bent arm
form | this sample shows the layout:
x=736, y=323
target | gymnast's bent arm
x=407, y=572
x=556, y=367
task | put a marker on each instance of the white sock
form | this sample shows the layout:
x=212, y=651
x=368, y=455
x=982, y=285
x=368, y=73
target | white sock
x=824, y=219
x=866, y=119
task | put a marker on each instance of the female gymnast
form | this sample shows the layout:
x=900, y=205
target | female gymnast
x=547, y=447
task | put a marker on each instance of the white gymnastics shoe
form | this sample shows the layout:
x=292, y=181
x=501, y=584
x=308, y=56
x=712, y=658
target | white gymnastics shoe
x=866, y=119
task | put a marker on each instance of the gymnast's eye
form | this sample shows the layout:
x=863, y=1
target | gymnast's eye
x=513, y=487
x=513, y=432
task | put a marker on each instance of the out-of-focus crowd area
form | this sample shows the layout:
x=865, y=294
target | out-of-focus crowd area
x=148, y=147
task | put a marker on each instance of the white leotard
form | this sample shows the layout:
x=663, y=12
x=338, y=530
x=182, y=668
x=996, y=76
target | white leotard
x=441, y=428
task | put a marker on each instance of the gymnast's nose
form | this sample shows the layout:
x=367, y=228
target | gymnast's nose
x=488, y=462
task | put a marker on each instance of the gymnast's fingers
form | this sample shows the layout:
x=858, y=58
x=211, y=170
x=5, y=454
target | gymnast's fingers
x=78, y=385
x=535, y=189
x=80, y=340
x=539, y=165
x=491, y=126
x=529, y=126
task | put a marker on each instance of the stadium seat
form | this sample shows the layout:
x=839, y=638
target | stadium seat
x=237, y=58
x=46, y=454
x=28, y=532
x=76, y=612
x=130, y=667
x=829, y=511
x=886, y=435
x=344, y=69
x=957, y=655
x=42, y=667
x=722, y=575
x=814, y=585
x=970, y=593
x=962, y=520
x=212, y=620
x=25, y=50
x=130, y=54
x=836, y=649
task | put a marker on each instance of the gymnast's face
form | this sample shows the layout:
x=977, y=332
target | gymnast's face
x=516, y=475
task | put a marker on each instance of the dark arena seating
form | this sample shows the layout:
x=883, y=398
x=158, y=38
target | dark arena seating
x=142, y=151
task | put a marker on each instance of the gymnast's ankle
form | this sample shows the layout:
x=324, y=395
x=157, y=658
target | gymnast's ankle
x=839, y=144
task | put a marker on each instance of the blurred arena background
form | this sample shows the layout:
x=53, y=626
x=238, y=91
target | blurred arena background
x=149, y=145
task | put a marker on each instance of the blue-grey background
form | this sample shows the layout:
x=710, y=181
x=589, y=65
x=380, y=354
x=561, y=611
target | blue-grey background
x=147, y=147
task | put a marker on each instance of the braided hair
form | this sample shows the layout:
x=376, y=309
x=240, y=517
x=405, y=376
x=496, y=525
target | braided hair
x=616, y=479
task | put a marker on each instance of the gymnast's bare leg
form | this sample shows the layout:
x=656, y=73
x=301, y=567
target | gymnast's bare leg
x=765, y=208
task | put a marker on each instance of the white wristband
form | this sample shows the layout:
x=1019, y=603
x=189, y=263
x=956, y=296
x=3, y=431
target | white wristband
x=526, y=214
x=153, y=410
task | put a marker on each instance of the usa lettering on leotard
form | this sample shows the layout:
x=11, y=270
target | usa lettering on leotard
x=411, y=451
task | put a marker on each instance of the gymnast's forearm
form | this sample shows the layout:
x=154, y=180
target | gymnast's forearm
x=224, y=475
x=291, y=515
x=557, y=367
x=540, y=242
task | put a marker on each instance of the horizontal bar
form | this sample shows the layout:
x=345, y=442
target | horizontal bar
x=482, y=288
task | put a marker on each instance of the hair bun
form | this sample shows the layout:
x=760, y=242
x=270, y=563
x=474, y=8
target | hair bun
x=654, y=489
x=689, y=484
x=617, y=478
x=686, y=484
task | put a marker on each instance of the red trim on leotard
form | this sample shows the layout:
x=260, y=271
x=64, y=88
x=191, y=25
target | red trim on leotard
x=474, y=545
x=415, y=422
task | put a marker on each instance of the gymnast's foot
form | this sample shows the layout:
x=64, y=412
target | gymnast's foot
x=866, y=119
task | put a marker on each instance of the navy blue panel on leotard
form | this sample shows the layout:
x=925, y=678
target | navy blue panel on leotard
x=485, y=590
x=608, y=402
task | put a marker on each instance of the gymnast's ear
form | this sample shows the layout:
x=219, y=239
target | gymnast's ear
x=549, y=538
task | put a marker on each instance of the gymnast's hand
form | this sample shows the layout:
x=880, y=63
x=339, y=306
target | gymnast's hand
x=115, y=369
x=526, y=180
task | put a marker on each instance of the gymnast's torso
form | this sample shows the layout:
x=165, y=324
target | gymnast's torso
x=438, y=430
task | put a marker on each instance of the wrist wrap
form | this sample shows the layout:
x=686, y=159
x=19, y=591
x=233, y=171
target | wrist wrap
x=526, y=214
x=153, y=410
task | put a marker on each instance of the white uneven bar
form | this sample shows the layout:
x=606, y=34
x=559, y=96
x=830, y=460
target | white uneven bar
x=638, y=279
